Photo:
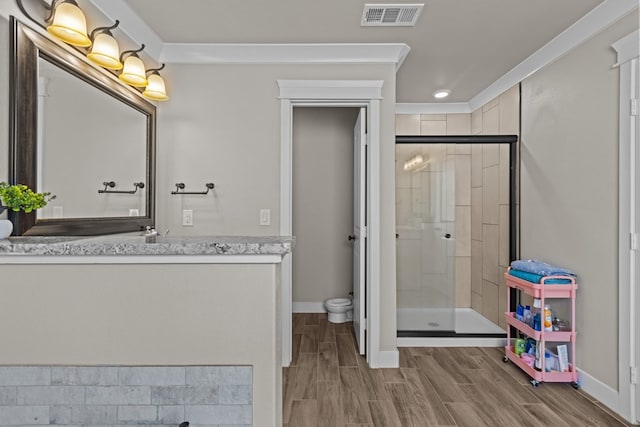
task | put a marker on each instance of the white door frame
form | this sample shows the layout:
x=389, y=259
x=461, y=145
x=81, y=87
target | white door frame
x=333, y=93
x=359, y=231
x=628, y=274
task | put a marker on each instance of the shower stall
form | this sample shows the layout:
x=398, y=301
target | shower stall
x=455, y=234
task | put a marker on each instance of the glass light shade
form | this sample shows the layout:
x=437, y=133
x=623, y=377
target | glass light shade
x=105, y=52
x=155, y=89
x=70, y=25
x=133, y=72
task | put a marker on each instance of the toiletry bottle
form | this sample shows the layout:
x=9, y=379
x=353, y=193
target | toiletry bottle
x=548, y=318
x=526, y=315
x=539, y=355
x=535, y=315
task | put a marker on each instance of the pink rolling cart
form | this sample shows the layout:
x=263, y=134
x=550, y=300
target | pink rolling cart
x=543, y=291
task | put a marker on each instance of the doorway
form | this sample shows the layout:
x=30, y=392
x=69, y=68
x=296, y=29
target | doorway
x=340, y=93
x=322, y=205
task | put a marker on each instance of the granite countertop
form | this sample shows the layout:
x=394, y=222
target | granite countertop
x=139, y=245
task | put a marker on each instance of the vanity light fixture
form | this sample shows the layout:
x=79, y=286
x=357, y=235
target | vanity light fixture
x=133, y=72
x=155, y=89
x=441, y=93
x=68, y=23
x=105, y=51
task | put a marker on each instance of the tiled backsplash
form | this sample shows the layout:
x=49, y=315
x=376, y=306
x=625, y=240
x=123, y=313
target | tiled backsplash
x=105, y=396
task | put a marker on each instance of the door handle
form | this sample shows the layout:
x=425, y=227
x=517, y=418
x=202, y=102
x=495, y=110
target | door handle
x=351, y=237
x=447, y=236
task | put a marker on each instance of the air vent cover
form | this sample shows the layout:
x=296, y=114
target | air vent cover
x=396, y=15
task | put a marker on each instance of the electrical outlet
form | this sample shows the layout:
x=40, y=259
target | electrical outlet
x=187, y=217
x=265, y=216
x=57, y=212
x=134, y=212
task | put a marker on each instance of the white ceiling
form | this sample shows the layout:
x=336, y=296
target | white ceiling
x=462, y=45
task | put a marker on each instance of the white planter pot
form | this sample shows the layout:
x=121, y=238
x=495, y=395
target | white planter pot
x=6, y=227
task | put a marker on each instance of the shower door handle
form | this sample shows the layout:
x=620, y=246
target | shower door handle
x=351, y=237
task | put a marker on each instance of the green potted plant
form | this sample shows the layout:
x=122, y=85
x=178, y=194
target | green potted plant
x=19, y=197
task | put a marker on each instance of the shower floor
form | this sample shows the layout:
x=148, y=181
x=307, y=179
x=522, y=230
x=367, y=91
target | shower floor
x=467, y=321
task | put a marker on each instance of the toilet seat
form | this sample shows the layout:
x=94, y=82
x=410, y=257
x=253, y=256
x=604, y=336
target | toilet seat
x=339, y=302
x=339, y=310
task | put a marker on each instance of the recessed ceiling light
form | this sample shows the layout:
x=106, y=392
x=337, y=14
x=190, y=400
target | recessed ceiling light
x=441, y=93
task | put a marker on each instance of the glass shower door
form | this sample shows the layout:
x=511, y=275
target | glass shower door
x=425, y=216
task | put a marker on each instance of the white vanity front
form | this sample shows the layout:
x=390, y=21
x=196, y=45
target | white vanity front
x=120, y=302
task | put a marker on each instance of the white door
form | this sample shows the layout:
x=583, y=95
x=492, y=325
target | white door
x=359, y=229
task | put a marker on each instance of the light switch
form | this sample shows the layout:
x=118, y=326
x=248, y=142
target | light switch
x=265, y=216
x=187, y=217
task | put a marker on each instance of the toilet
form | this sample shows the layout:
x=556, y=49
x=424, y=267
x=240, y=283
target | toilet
x=340, y=309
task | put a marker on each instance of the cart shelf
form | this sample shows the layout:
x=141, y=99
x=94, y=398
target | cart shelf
x=539, y=376
x=559, y=336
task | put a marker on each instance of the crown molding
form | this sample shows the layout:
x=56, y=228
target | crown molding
x=433, y=108
x=286, y=53
x=249, y=53
x=593, y=22
x=586, y=27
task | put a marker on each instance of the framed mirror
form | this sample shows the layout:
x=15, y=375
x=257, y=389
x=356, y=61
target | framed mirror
x=77, y=132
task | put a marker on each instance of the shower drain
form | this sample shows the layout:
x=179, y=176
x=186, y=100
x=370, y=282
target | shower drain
x=433, y=324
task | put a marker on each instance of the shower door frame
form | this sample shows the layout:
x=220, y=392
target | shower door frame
x=512, y=140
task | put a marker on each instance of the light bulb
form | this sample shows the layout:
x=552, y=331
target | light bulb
x=70, y=25
x=105, y=52
x=133, y=72
x=155, y=89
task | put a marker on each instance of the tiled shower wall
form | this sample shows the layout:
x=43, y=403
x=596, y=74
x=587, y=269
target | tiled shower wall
x=123, y=396
x=482, y=198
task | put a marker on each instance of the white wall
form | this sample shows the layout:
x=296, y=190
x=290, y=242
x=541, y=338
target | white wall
x=163, y=315
x=569, y=191
x=222, y=124
x=322, y=203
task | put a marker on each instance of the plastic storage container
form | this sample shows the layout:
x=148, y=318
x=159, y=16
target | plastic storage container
x=528, y=362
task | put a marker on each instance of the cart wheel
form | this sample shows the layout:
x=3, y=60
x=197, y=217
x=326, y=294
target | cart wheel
x=575, y=385
x=534, y=383
x=505, y=359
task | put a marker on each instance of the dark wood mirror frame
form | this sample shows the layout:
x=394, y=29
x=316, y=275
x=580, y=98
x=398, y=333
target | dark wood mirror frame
x=26, y=47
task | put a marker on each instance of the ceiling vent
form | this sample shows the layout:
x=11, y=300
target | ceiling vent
x=391, y=15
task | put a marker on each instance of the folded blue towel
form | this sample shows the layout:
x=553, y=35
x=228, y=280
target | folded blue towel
x=540, y=268
x=536, y=278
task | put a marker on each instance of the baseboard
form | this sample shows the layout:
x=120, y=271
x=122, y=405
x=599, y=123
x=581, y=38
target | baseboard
x=385, y=359
x=599, y=390
x=308, y=307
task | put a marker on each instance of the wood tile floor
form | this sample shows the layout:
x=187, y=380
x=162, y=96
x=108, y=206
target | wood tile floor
x=329, y=384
